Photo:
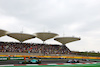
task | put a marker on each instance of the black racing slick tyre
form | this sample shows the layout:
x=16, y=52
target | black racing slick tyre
x=38, y=62
x=22, y=62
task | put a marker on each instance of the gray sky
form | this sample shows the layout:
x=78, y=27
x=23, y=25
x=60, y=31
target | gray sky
x=79, y=18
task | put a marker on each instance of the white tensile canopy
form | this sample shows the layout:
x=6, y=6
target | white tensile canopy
x=3, y=33
x=21, y=36
x=45, y=35
x=65, y=40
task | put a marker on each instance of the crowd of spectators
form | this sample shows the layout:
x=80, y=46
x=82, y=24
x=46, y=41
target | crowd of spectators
x=33, y=48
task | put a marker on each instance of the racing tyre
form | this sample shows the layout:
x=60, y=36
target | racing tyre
x=22, y=62
x=38, y=62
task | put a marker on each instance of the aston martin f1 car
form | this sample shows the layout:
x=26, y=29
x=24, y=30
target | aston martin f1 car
x=33, y=61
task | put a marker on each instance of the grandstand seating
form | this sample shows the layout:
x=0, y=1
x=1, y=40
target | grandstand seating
x=14, y=47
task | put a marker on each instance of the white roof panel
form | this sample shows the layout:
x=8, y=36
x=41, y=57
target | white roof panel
x=65, y=40
x=21, y=36
x=3, y=33
x=45, y=35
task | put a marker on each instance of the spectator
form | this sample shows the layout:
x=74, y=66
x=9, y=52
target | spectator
x=33, y=48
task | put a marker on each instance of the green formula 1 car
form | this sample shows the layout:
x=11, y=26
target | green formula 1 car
x=33, y=61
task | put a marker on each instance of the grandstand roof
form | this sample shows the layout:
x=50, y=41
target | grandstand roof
x=45, y=35
x=3, y=32
x=21, y=36
x=65, y=40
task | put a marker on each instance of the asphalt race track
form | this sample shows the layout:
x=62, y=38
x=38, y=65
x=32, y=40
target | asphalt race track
x=44, y=61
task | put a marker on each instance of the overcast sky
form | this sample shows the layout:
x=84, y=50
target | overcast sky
x=79, y=18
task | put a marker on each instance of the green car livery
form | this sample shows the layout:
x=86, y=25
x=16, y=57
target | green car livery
x=33, y=61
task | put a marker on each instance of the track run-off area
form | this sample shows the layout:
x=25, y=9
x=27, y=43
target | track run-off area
x=55, y=65
x=50, y=63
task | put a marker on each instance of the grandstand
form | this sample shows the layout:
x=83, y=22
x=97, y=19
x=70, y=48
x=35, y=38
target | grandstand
x=35, y=48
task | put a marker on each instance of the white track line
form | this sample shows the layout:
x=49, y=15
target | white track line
x=47, y=64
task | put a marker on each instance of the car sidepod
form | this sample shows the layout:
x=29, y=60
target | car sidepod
x=34, y=61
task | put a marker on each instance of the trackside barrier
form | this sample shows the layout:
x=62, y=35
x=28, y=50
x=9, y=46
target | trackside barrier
x=16, y=58
x=13, y=58
x=3, y=58
x=79, y=57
